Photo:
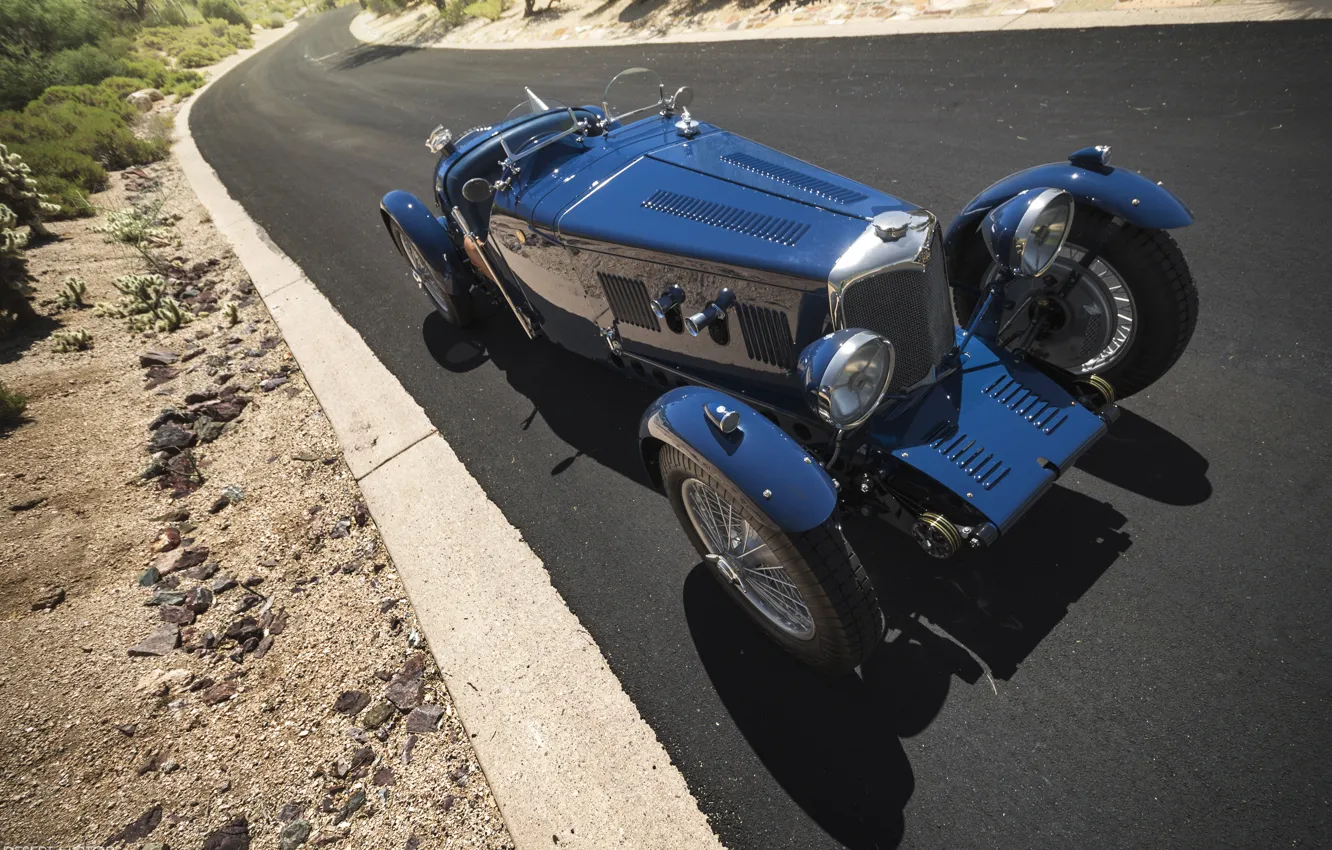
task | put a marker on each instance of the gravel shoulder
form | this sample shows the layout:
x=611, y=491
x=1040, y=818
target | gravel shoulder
x=280, y=691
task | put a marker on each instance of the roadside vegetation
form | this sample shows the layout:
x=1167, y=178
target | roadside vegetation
x=452, y=13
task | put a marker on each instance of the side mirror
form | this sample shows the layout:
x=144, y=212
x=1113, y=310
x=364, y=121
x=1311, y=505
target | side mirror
x=1025, y=233
x=477, y=190
x=682, y=97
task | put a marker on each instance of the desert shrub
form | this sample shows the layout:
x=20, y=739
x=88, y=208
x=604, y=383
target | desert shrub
x=12, y=405
x=386, y=7
x=146, y=68
x=145, y=305
x=452, y=14
x=169, y=15
x=225, y=10
x=72, y=340
x=68, y=176
x=84, y=95
x=84, y=65
x=231, y=313
x=274, y=22
x=123, y=86
x=98, y=131
x=488, y=9
x=182, y=83
x=241, y=36
x=196, y=57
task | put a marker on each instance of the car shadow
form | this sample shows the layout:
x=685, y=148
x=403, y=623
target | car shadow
x=1144, y=458
x=368, y=54
x=822, y=738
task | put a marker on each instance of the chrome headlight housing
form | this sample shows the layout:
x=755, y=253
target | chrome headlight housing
x=846, y=375
x=1025, y=233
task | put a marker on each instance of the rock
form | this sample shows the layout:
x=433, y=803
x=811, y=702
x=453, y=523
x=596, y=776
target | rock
x=235, y=835
x=170, y=766
x=200, y=572
x=244, y=629
x=208, y=430
x=388, y=605
x=407, y=745
x=140, y=829
x=383, y=777
x=362, y=757
x=265, y=644
x=225, y=411
x=351, y=703
x=279, y=624
x=424, y=718
x=199, y=599
x=180, y=559
x=171, y=582
x=248, y=601
x=353, y=804
x=413, y=843
x=406, y=689
x=253, y=581
x=161, y=681
x=27, y=504
x=166, y=540
x=158, y=357
x=48, y=598
x=459, y=776
x=222, y=584
x=447, y=802
x=178, y=614
x=415, y=639
x=159, y=642
x=166, y=597
x=126, y=729
x=290, y=812
x=361, y=514
x=305, y=457
x=340, y=529
x=171, y=436
x=200, y=396
x=377, y=715
x=156, y=376
x=143, y=99
x=149, y=577
x=168, y=414
x=218, y=693
x=293, y=835
x=178, y=515
x=270, y=384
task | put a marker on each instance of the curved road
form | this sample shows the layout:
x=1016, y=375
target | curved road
x=1148, y=664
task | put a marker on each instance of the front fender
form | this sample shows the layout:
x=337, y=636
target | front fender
x=758, y=458
x=1118, y=191
x=430, y=236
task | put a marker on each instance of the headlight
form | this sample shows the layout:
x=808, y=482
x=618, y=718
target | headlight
x=846, y=375
x=1025, y=233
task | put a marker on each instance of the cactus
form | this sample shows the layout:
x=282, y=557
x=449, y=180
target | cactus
x=145, y=304
x=134, y=226
x=14, y=306
x=19, y=192
x=169, y=316
x=231, y=313
x=77, y=340
x=71, y=297
x=12, y=405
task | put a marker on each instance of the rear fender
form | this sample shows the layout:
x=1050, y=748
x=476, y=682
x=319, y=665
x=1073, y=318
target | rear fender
x=429, y=235
x=1118, y=191
x=781, y=481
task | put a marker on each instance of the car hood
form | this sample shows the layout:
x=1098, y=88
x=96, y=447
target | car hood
x=717, y=200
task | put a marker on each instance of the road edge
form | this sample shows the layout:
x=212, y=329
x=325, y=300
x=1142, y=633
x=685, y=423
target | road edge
x=365, y=32
x=566, y=752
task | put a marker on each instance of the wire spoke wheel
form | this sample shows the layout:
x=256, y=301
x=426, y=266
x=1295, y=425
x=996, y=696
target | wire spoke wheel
x=741, y=557
x=424, y=274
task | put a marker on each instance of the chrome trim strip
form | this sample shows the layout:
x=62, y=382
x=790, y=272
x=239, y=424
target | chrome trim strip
x=481, y=252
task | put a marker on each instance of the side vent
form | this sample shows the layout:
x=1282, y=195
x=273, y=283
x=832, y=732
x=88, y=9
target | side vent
x=767, y=336
x=791, y=177
x=629, y=300
x=971, y=457
x=773, y=228
x=1025, y=403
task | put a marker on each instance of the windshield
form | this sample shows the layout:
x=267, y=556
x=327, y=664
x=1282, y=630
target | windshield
x=532, y=105
x=633, y=94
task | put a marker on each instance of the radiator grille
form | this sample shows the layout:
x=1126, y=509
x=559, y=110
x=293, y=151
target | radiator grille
x=773, y=228
x=767, y=335
x=792, y=177
x=912, y=309
x=629, y=300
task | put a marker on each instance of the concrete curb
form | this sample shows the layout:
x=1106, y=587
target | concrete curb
x=564, y=749
x=363, y=30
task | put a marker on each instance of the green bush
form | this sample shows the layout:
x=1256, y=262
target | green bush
x=182, y=83
x=57, y=98
x=146, y=68
x=274, y=22
x=68, y=177
x=488, y=9
x=14, y=306
x=124, y=86
x=386, y=7
x=84, y=65
x=226, y=10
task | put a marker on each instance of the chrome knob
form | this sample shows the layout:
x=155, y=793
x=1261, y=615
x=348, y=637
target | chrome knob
x=714, y=312
x=670, y=300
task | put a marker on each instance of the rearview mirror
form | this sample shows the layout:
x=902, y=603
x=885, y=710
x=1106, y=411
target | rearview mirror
x=477, y=190
x=682, y=98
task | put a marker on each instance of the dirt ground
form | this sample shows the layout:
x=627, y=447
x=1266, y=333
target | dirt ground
x=298, y=707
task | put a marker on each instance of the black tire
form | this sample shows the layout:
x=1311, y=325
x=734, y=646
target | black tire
x=457, y=310
x=1153, y=269
x=848, y=623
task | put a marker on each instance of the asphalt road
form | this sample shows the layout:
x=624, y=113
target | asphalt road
x=1150, y=665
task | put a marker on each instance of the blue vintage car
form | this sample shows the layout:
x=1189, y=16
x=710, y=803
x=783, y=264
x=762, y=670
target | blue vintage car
x=822, y=346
